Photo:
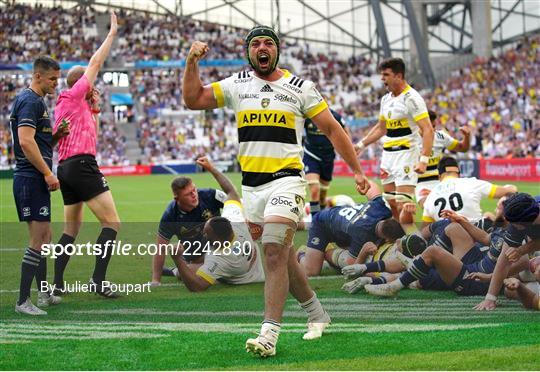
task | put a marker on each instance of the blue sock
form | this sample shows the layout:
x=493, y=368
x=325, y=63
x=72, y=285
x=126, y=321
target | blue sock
x=314, y=208
x=376, y=266
x=418, y=270
x=379, y=280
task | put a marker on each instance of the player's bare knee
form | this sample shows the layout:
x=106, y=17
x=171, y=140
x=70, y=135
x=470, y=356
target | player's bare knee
x=275, y=256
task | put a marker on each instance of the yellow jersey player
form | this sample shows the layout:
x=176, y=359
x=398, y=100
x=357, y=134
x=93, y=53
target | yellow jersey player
x=404, y=129
x=271, y=105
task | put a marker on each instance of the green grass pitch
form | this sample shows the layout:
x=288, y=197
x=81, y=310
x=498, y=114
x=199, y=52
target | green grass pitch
x=171, y=328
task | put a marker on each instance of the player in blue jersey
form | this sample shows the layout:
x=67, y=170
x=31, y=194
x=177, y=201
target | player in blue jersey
x=186, y=214
x=522, y=211
x=351, y=228
x=455, y=269
x=33, y=179
x=318, y=161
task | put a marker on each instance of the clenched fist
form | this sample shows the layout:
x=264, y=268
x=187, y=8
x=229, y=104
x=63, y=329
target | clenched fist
x=197, y=52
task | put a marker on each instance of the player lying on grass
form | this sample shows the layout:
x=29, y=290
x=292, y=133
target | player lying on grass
x=522, y=211
x=442, y=233
x=462, y=195
x=231, y=256
x=186, y=214
x=388, y=262
x=454, y=269
x=351, y=228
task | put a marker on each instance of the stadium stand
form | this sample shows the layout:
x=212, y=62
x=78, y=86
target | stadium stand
x=498, y=110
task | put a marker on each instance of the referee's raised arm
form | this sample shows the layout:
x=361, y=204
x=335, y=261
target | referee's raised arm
x=101, y=54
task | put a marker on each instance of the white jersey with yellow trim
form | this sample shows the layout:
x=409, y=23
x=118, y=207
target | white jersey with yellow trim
x=241, y=264
x=270, y=119
x=400, y=114
x=441, y=141
x=462, y=195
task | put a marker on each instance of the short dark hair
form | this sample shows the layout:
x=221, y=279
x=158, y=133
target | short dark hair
x=221, y=228
x=397, y=65
x=179, y=183
x=413, y=245
x=432, y=115
x=447, y=162
x=391, y=229
x=45, y=63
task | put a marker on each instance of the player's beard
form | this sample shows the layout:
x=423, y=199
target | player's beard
x=267, y=69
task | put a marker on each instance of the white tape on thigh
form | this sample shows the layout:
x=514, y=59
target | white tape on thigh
x=277, y=233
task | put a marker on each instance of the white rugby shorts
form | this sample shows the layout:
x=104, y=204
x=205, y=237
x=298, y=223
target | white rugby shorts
x=398, y=167
x=283, y=197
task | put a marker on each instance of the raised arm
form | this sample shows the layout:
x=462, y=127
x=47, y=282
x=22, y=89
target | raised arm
x=465, y=143
x=101, y=54
x=224, y=182
x=196, y=96
x=342, y=143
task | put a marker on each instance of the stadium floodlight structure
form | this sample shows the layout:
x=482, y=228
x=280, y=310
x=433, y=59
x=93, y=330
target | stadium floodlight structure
x=433, y=36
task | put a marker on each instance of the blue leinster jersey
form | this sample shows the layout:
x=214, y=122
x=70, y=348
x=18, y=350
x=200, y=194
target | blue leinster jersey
x=188, y=226
x=30, y=110
x=355, y=225
x=316, y=142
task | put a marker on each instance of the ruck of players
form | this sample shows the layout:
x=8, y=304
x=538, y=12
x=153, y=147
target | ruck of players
x=419, y=226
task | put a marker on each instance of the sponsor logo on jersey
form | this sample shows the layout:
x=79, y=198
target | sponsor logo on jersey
x=397, y=123
x=284, y=98
x=267, y=89
x=26, y=211
x=46, y=130
x=239, y=81
x=315, y=241
x=266, y=117
x=248, y=96
x=280, y=200
x=293, y=88
x=265, y=102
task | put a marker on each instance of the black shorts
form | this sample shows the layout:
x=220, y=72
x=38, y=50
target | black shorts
x=80, y=179
x=32, y=198
x=323, y=167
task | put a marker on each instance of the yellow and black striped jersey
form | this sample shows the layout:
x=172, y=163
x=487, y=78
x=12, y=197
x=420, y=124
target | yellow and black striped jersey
x=400, y=114
x=270, y=119
x=441, y=141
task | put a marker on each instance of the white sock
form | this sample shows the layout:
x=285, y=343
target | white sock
x=270, y=330
x=314, y=309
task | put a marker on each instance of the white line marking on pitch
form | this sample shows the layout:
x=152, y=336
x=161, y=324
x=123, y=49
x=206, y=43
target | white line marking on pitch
x=15, y=332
